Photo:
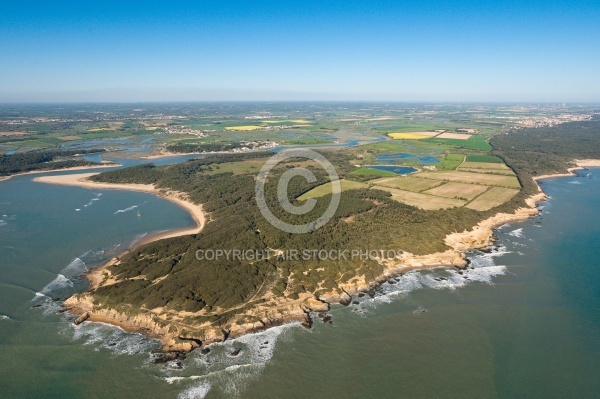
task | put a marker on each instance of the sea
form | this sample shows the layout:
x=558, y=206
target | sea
x=522, y=322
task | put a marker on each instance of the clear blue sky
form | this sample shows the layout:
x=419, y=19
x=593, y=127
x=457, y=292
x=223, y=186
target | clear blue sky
x=301, y=50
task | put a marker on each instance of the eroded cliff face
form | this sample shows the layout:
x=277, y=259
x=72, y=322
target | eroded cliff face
x=179, y=334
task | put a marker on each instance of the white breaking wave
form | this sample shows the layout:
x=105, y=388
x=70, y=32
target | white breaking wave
x=482, y=269
x=196, y=392
x=75, y=268
x=6, y=218
x=229, y=374
x=516, y=233
x=4, y=317
x=96, y=198
x=136, y=239
x=131, y=208
x=59, y=283
x=575, y=182
x=110, y=337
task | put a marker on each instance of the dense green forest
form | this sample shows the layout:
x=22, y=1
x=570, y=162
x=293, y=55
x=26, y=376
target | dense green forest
x=549, y=150
x=41, y=160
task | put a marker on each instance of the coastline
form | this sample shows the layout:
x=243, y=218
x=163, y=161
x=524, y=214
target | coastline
x=581, y=165
x=286, y=311
x=36, y=172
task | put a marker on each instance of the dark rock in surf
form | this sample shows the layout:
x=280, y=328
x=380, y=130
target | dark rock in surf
x=82, y=318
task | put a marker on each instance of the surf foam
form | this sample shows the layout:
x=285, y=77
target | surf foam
x=131, y=208
x=516, y=233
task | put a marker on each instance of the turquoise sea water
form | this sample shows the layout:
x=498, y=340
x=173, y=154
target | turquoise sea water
x=524, y=323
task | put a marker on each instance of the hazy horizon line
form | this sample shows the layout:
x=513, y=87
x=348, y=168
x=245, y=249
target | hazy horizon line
x=372, y=101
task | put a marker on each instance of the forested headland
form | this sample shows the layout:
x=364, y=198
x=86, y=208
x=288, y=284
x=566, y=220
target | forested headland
x=42, y=160
x=167, y=275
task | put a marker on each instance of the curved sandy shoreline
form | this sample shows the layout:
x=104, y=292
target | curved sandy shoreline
x=36, y=172
x=82, y=180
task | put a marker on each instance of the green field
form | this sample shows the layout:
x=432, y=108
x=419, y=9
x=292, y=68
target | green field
x=406, y=183
x=451, y=161
x=325, y=189
x=484, y=165
x=484, y=158
x=476, y=142
x=473, y=178
x=372, y=172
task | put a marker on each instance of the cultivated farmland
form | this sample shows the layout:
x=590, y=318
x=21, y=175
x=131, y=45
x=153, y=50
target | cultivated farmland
x=493, y=197
x=456, y=136
x=325, y=189
x=411, y=136
x=471, y=177
x=484, y=165
x=458, y=190
x=422, y=201
x=409, y=183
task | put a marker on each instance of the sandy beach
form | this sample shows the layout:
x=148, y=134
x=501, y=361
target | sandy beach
x=37, y=172
x=583, y=163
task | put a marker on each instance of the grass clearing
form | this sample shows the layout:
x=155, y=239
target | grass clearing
x=477, y=178
x=476, y=142
x=458, y=190
x=484, y=158
x=423, y=201
x=408, y=183
x=372, y=172
x=493, y=197
x=505, y=172
x=237, y=168
x=484, y=165
x=451, y=161
x=325, y=189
